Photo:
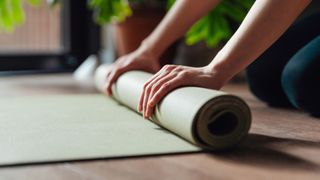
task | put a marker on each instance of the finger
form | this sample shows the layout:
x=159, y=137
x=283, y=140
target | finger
x=105, y=80
x=158, y=83
x=108, y=84
x=110, y=75
x=141, y=100
x=148, y=89
x=140, y=105
x=107, y=76
x=112, y=78
x=164, y=90
x=155, y=88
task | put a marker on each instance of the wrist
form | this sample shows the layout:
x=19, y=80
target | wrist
x=221, y=68
x=151, y=48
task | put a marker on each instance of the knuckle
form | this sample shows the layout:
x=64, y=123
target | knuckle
x=166, y=85
x=110, y=79
x=169, y=67
x=115, y=73
x=177, y=70
x=166, y=66
x=119, y=69
x=145, y=85
x=154, y=100
x=156, y=85
x=183, y=74
x=148, y=88
x=152, y=88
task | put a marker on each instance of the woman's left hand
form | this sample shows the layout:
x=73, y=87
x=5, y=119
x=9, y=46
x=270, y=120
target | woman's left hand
x=171, y=77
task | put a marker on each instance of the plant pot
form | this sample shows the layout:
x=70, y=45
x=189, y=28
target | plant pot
x=130, y=33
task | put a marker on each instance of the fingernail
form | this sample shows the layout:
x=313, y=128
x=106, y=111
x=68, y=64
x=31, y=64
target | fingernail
x=151, y=104
x=146, y=115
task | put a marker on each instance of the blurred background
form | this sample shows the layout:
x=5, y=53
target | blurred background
x=46, y=36
x=58, y=35
x=50, y=36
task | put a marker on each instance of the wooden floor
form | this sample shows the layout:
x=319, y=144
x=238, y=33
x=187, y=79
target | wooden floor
x=283, y=144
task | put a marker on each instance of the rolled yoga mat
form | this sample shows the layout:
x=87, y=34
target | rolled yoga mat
x=57, y=128
x=207, y=118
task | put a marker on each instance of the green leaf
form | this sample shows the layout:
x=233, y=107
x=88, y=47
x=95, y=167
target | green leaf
x=215, y=27
x=12, y=13
x=34, y=2
x=18, y=13
x=170, y=3
x=6, y=20
x=106, y=11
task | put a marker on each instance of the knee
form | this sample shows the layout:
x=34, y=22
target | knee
x=300, y=78
x=290, y=84
x=300, y=90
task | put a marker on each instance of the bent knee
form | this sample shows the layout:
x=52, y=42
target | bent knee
x=301, y=92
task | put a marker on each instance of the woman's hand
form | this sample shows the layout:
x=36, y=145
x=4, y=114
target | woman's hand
x=171, y=77
x=141, y=59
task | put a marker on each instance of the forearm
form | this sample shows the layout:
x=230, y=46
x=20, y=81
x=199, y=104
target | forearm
x=178, y=20
x=265, y=23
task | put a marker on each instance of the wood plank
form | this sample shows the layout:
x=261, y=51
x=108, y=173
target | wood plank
x=282, y=144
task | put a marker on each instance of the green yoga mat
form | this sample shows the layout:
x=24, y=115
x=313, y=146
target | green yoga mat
x=76, y=127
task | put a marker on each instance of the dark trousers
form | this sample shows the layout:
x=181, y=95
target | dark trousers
x=288, y=73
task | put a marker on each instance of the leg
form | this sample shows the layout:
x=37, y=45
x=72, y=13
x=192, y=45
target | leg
x=264, y=75
x=301, y=78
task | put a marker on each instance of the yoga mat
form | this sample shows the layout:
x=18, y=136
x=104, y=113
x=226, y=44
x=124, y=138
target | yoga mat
x=77, y=127
x=207, y=118
x=39, y=129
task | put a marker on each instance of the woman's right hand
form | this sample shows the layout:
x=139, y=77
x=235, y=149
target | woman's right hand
x=141, y=59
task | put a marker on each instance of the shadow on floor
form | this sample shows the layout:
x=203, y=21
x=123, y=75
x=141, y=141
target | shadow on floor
x=260, y=151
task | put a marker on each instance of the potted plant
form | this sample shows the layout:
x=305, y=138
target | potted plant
x=219, y=24
x=206, y=37
x=133, y=20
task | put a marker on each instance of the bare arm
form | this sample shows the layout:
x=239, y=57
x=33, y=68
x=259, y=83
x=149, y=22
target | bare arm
x=178, y=20
x=265, y=23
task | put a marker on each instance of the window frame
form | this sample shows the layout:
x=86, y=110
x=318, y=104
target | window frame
x=80, y=38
